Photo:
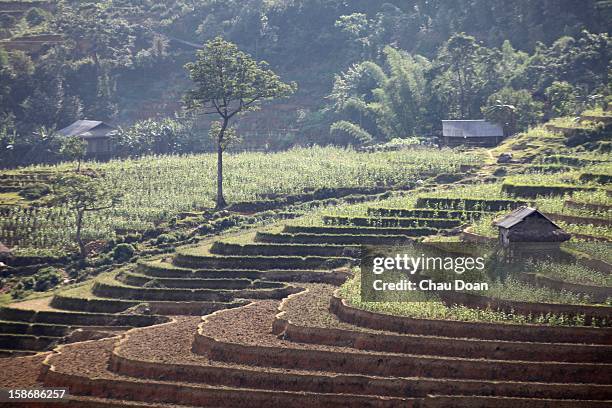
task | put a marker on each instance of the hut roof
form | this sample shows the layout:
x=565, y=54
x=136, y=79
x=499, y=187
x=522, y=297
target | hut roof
x=4, y=249
x=471, y=128
x=519, y=215
x=88, y=129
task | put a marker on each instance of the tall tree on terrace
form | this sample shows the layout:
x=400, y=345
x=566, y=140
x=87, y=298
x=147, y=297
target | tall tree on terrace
x=83, y=194
x=228, y=82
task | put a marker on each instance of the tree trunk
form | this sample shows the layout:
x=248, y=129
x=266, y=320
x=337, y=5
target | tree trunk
x=79, y=239
x=221, y=203
x=78, y=166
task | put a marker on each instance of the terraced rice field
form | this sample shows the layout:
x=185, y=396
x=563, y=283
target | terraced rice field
x=273, y=316
x=277, y=330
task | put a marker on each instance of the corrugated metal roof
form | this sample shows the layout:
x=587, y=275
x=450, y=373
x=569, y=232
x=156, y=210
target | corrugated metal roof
x=87, y=129
x=517, y=216
x=471, y=128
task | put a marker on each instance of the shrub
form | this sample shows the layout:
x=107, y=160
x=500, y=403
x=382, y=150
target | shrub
x=47, y=278
x=35, y=191
x=585, y=136
x=123, y=252
x=43, y=280
x=133, y=237
x=500, y=172
x=35, y=16
x=166, y=239
x=6, y=20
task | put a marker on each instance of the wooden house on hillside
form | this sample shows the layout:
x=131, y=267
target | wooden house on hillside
x=526, y=224
x=471, y=132
x=97, y=135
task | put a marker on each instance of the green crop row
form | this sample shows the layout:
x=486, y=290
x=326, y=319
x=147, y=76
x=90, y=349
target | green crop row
x=441, y=223
x=157, y=188
x=273, y=249
x=425, y=213
x=470, y=204
x=533, y=190
x=336, y=239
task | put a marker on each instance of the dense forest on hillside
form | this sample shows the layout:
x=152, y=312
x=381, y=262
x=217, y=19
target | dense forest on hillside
x=367, y=72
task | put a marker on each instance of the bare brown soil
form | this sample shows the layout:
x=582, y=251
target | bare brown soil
x=21, y=372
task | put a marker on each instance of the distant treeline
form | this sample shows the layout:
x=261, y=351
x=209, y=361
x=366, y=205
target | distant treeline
x=390, y=69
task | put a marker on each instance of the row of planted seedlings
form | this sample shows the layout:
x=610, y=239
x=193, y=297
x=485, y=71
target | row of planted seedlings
x=533, y=293
x=427, y=215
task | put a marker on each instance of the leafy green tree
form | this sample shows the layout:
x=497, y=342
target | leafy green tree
x=358, y=29
x=561, y=99
x=150, y=136
x=514, y=110
x=83, y=194
x=74, y=149
x=463, y=73
x=228, y=82
x=380, y=106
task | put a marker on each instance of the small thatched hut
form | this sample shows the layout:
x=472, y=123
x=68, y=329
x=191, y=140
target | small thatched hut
x=526, y=224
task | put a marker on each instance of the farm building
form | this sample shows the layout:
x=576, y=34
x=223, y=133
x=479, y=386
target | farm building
x=526, y=224
x=97, y=135
x=471, y=132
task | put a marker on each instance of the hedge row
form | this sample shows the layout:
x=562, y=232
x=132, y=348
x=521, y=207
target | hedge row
x=156, y=307
x=132, y=279
x=571, y=160
x=393, y=222
x=161, y=269
x=260, y=262
x=157, y=271
x=471, y=204
x=258, y=290
x=274, y=201
x=338, y=230
x=337, y=239
x=108, y=290
x=424, y=213
x=91, y=305
x=596, y=177
x=224, y=248
x=533, y=191
x=547, y=168
x=290, y=275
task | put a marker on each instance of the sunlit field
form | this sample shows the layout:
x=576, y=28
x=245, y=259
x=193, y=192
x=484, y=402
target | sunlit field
x=157, y=188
